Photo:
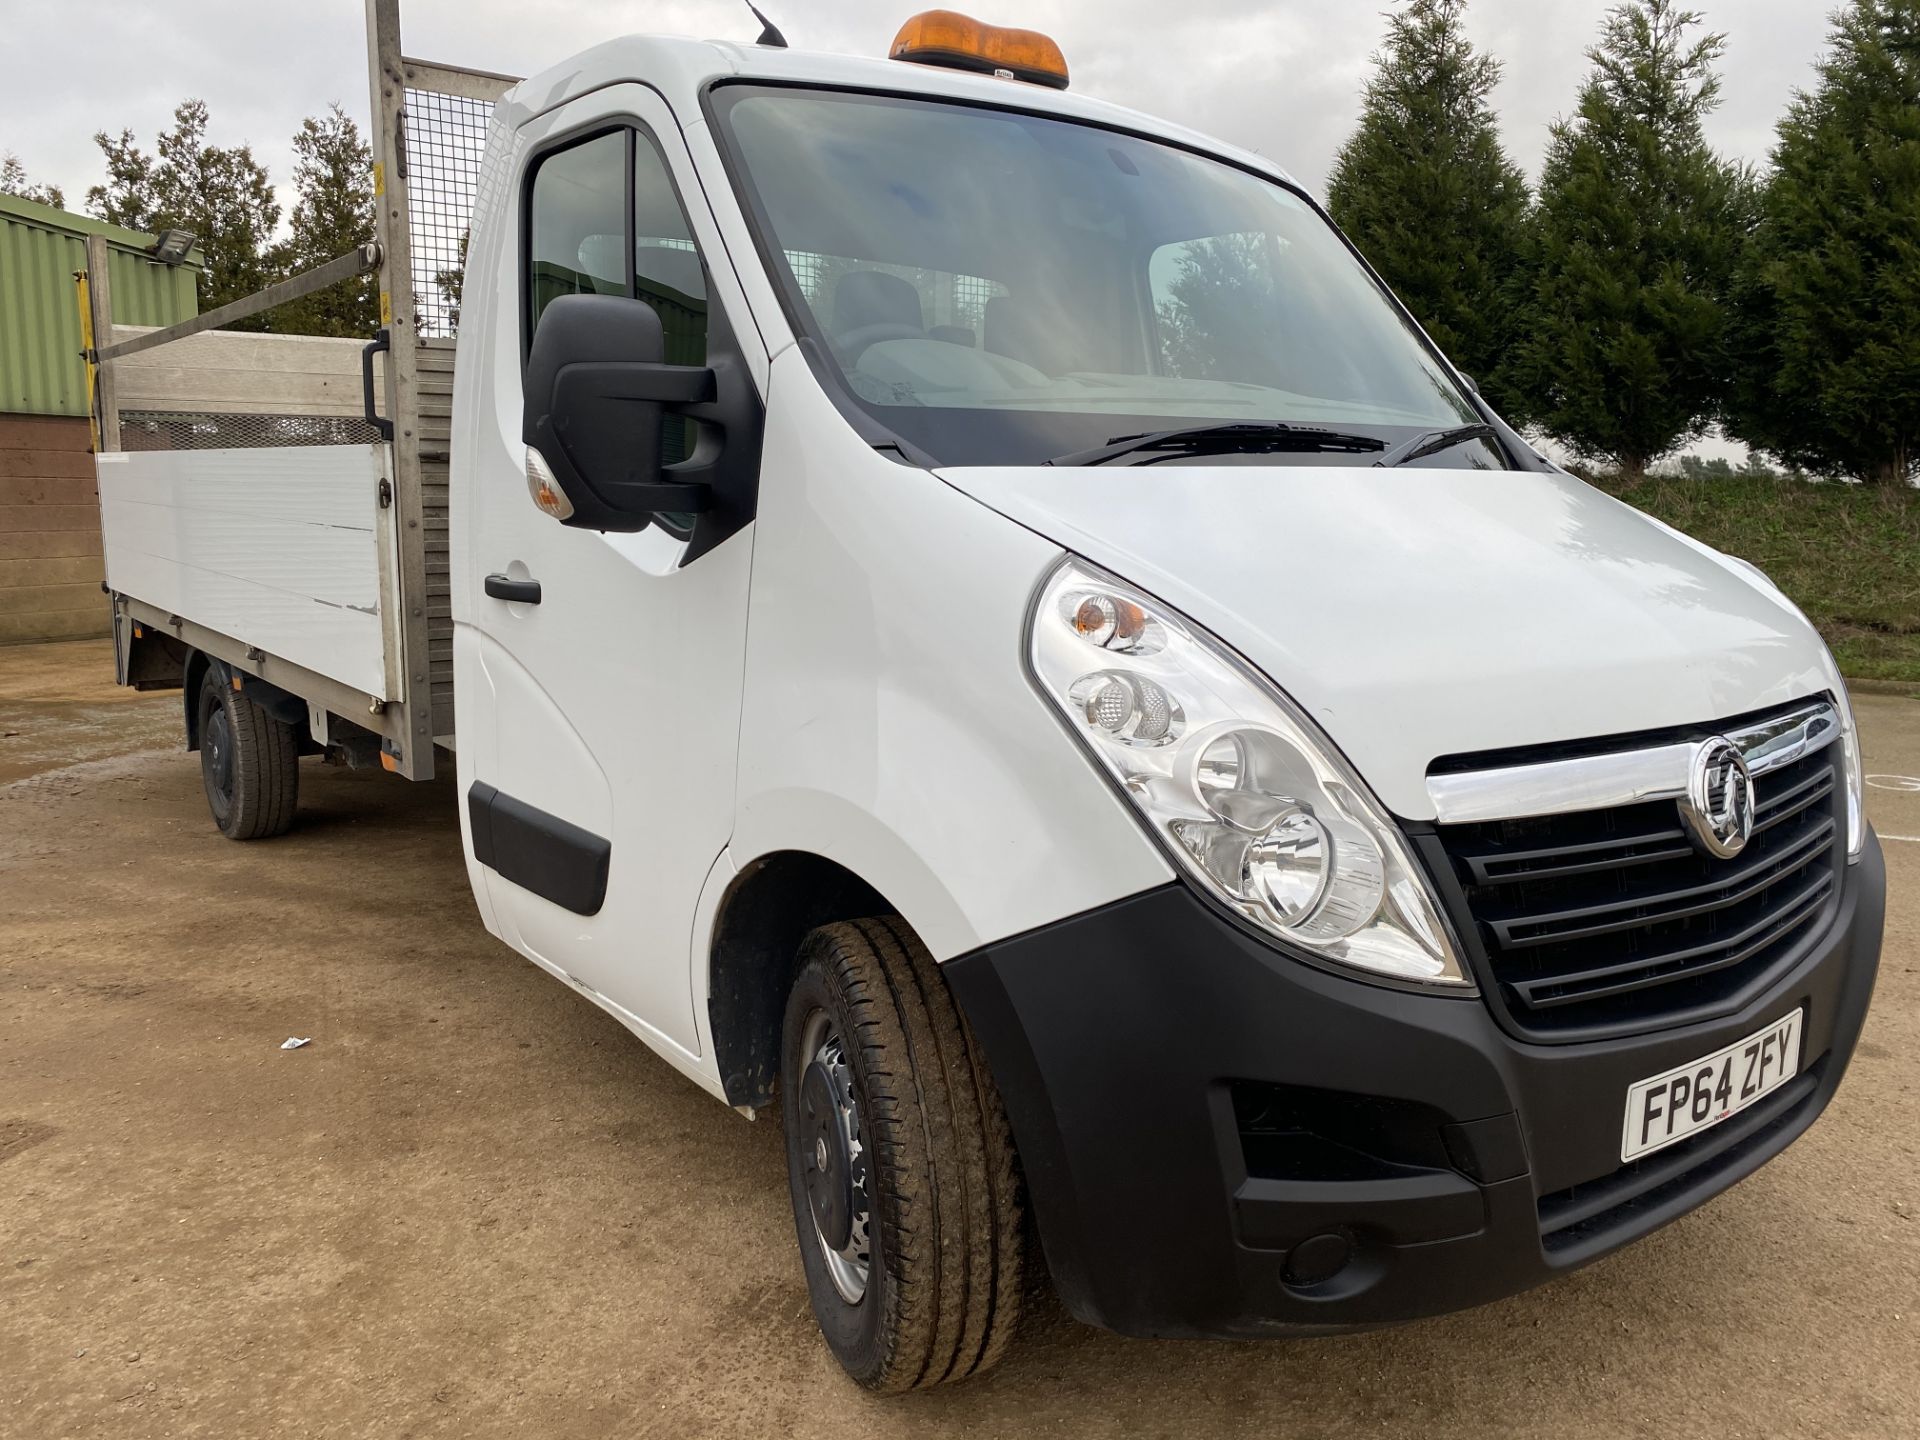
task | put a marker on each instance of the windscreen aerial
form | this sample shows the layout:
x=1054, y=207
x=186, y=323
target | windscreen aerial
x=1000, y=287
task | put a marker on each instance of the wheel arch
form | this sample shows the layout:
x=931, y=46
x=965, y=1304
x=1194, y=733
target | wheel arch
x=283, y=705
x=192, y=674
x=754, y=951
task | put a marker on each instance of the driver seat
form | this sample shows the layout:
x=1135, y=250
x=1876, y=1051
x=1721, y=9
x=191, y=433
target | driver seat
x=873, y=297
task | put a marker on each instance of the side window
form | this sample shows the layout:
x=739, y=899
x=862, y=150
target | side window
x=603, y=219
x=576, y=232
x=667, y=275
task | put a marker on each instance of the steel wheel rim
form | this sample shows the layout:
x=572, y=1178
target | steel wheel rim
x=833, y=1158
x=216, y=759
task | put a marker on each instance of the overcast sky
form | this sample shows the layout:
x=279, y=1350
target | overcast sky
x=1282, y=77
x=1279, y=76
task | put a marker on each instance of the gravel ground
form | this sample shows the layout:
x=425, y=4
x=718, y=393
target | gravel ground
x=476, y=1206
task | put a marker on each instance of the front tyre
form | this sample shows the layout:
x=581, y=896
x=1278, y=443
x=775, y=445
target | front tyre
x=249, y=762
x=899, y=1161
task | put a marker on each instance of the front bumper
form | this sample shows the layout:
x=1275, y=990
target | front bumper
x=1209, y=1128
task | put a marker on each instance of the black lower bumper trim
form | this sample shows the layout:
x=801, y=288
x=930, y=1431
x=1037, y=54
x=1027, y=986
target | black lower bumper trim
x=1583, y=1217
x=1219, y=1140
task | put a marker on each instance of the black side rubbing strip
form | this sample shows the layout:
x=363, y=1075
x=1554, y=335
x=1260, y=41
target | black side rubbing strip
x=480, y=820
x=554, y=858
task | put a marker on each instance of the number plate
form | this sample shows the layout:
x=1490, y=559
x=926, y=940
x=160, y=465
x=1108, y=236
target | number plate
x=1690, y=1098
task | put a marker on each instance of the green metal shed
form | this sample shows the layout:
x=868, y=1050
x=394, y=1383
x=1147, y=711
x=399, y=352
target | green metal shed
x=41, y=372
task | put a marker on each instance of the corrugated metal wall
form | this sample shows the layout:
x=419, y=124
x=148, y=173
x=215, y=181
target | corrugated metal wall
x=41, y=372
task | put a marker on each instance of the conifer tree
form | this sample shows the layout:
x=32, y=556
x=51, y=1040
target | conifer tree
x=333, y=174
x=1633, y=247
x=14, y=181
x=219, y=194
x=1425, y=189
x=1829, y=371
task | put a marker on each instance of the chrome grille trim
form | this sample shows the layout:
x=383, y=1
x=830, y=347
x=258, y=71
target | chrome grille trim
x=1627, y=777
x=1611, y=921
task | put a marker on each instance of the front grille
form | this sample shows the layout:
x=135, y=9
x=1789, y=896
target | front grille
x=1610, y=921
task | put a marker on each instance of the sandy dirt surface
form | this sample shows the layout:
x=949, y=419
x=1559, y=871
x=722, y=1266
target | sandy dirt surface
x=476, y=1206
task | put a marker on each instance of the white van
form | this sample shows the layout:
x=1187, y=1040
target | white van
x=976, y=617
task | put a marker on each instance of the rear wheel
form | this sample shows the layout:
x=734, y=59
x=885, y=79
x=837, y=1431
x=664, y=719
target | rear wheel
x=899, y=1161
x=249, y=762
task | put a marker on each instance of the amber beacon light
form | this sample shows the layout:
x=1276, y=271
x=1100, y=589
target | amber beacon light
x=942, y=37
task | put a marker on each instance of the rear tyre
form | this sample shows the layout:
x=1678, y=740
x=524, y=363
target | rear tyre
x=900, y=1163
x=249, y=762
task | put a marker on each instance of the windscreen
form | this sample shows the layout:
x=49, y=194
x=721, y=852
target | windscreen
x=998, y=287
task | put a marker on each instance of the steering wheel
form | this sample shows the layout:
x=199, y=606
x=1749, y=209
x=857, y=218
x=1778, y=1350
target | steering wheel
x=857, y=341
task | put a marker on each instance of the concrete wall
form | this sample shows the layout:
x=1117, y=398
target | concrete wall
x=50, y=568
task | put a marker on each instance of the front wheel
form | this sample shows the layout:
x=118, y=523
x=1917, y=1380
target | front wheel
x=249, y=762
x=900, y=1163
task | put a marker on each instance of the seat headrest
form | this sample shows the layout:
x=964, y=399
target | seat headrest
x=603, y=259
x=1015, y=332
x=669, y=266
x=873, y=297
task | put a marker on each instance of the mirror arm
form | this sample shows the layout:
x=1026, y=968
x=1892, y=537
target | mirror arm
x=640, y=380
x=670, y=497
x=698, y=471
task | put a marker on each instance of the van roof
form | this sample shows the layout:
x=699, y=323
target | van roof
x=680, y=68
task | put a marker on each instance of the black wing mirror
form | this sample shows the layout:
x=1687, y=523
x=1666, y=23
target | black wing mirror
x=597, y=388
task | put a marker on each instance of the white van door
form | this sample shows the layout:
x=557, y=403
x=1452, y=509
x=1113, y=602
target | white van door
x=598, y=789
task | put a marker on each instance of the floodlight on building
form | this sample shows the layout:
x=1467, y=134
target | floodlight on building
x=172, y=246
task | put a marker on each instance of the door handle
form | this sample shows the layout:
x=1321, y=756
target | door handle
x=520, y=592
x=382, y=341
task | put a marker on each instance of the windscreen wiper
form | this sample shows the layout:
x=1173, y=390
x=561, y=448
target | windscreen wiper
x=1248, y=437
x=1430, y=442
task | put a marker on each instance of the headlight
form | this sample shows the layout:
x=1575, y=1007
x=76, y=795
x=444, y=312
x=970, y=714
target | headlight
x=1856, y=772
x=1246, y=794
